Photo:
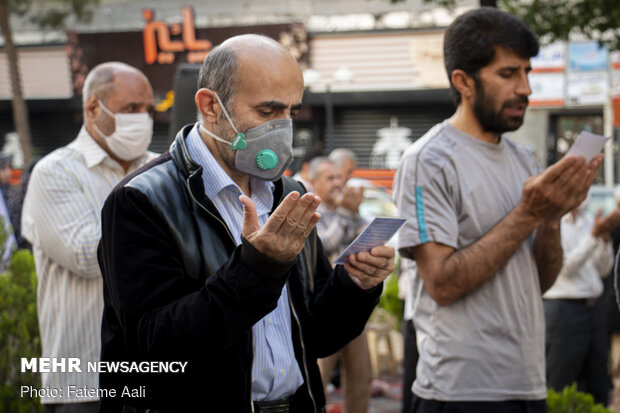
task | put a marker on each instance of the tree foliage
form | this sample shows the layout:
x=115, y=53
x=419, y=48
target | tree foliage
x=46, y=14
x=556, y=19
x=19, y=329
x=570, y=400
x=52, y=14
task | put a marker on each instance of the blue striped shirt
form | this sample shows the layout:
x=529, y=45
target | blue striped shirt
x=275, y=372
x=61, y=219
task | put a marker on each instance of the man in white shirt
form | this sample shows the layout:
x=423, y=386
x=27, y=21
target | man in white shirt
x=576, y=331
x=61, y=218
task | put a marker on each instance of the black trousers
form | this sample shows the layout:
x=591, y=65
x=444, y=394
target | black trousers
x=576, y=346
x=510, y=406
x=410, y=363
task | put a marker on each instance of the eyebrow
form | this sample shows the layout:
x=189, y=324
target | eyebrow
x=276, y=104
x=528, y=68
x=138, y=104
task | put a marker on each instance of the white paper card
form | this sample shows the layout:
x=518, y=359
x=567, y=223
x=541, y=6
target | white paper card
x=378, y=232
x=587, y=144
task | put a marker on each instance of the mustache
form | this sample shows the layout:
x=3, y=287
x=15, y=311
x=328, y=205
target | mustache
x=520, y=100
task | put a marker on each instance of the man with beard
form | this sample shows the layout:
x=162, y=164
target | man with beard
x=484, y=228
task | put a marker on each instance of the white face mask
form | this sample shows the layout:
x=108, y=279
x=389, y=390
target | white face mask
x=132, y=134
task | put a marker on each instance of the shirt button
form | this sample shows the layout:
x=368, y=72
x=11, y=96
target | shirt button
x=282, y=372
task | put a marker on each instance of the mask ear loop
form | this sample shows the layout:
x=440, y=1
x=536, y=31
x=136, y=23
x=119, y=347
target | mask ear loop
x=239, y=141
x=106, y=110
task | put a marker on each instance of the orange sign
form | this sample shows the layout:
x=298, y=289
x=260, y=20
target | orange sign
x=160, y=48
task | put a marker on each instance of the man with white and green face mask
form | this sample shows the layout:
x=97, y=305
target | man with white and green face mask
x=61, y=218
x=226, y=271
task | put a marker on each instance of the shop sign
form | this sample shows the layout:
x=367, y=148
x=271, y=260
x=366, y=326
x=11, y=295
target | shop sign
x=615, y=84
x=615, y=59
x=159, y=47
x=550, y=57
x=547, y=89
x=587, y=88
x=587, y=56
x=427, y=60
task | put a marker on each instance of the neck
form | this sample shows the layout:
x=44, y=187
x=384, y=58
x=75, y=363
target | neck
x=101, y=142
x=465, y=121
x=240, y=178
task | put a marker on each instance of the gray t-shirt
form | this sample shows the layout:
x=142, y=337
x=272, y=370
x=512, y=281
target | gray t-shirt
x=488, y=345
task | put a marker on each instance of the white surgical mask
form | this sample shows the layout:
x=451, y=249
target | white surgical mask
x=264, y=151
x=132, y=134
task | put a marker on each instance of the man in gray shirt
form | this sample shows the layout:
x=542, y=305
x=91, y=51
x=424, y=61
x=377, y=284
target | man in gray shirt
x=484, y=228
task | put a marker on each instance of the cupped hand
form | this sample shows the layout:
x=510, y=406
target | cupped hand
x=285, y=232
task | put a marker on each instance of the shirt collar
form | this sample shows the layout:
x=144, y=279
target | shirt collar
x=94, y=154
x=216, y=179
x=89, y=149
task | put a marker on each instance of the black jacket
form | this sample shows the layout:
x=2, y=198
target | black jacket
x=177, y=288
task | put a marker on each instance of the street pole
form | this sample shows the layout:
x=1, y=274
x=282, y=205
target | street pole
x=608, y=130
x=329, y=117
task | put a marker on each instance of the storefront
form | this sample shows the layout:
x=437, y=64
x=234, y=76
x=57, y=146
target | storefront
x=374, y=92
x=573, y=87
x=53, y=76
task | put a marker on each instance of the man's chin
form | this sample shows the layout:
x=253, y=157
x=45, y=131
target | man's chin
x=514, y=123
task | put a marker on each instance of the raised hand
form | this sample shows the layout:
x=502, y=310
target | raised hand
x=351, y=198
x=284, y=234
x=559, y=188
x=603, y=225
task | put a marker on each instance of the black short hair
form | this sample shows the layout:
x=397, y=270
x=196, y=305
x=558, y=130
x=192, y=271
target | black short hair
x=470, y=41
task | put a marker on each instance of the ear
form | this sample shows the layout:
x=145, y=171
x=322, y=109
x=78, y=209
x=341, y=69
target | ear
x=463, y=83
x=207, y=104
x=91, y=108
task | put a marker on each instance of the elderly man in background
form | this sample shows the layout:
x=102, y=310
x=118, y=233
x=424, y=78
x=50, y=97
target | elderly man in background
x=346, y=161
x=340, y=224
x=61, y=219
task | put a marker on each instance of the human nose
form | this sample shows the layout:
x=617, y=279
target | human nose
x=523, y=85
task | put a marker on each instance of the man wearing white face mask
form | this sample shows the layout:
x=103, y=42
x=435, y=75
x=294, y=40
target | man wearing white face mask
x=226, y=271
x=61, y=218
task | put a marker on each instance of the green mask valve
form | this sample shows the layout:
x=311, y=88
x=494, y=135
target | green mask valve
x=266, y=159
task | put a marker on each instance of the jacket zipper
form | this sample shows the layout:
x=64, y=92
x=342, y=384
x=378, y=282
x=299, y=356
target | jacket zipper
x=303, y=347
